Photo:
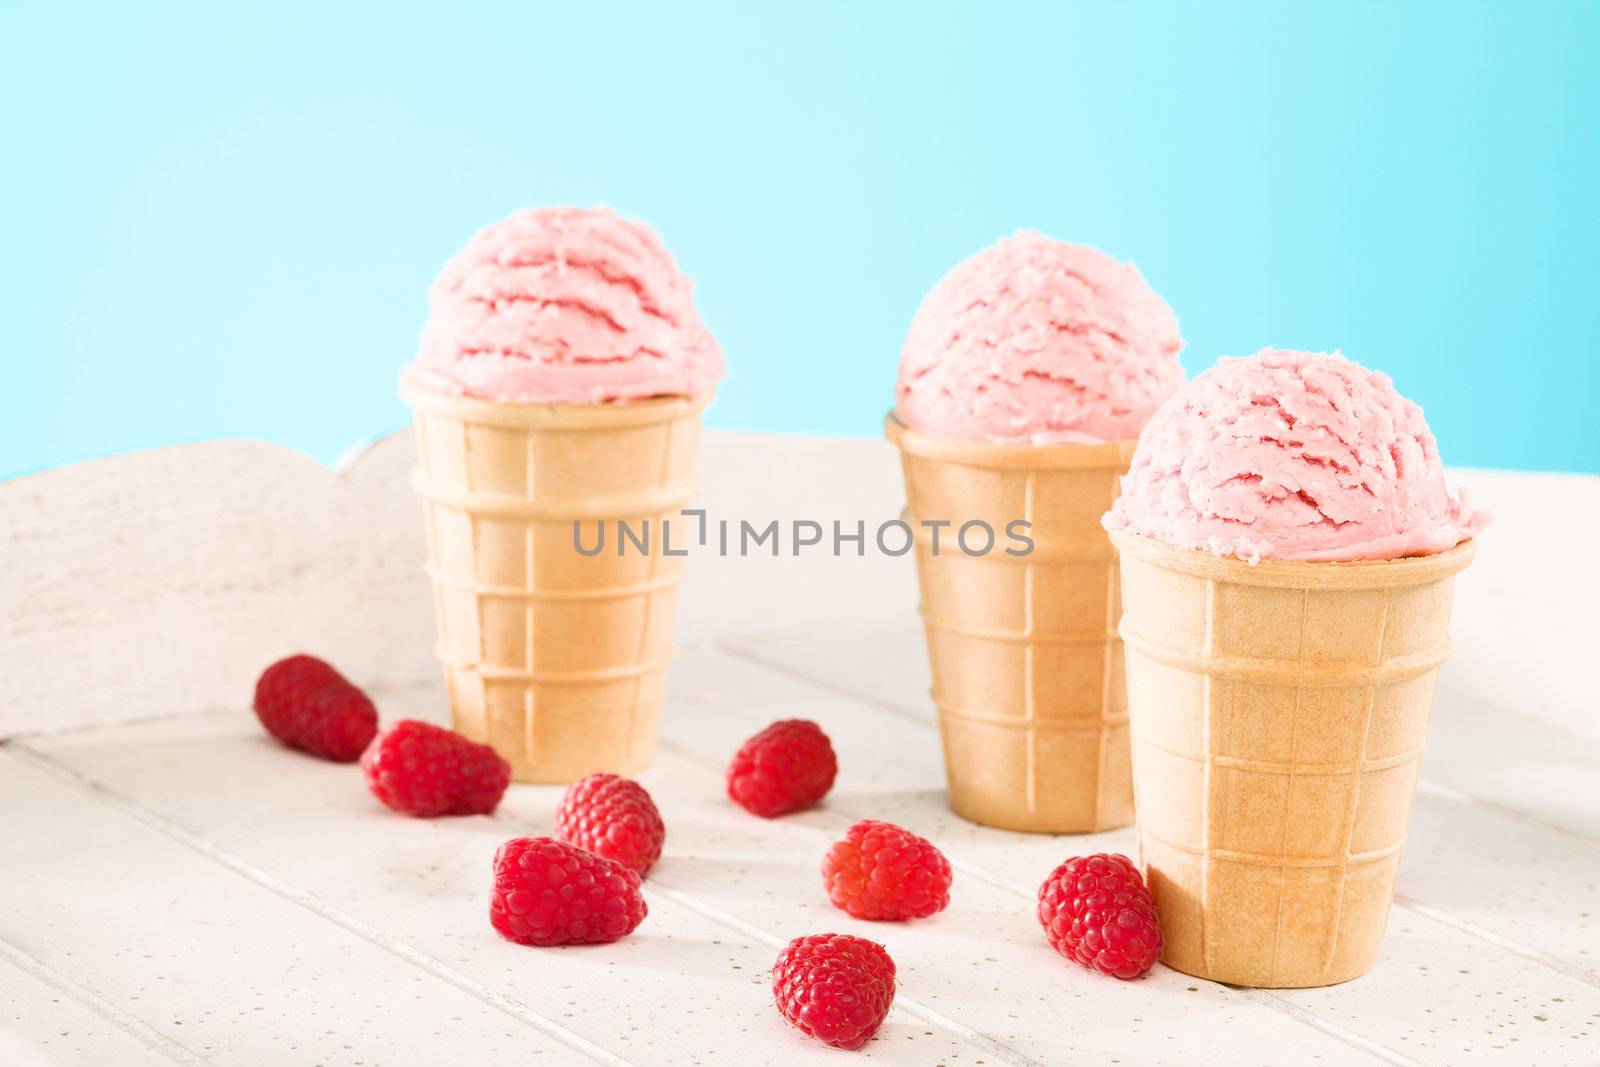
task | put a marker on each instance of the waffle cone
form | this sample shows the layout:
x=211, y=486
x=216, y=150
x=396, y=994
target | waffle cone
x=1027, y=664
x=555, y=658
x=1278, y=718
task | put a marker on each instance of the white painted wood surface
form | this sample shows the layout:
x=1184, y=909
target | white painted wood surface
x=176, y=888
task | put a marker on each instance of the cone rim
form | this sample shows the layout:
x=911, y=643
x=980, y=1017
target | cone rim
x=1297, y=573
x=1002, y=455
x=476, y=409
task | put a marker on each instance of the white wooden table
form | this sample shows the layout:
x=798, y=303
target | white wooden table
x=174, y=887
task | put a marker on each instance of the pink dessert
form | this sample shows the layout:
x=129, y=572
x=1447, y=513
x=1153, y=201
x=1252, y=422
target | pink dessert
x=1292, y=455
x=565, y=306
x=1037, y=341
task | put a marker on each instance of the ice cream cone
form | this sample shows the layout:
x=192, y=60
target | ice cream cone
x=1278, y=717
x=1027, y=664
x=554, y=657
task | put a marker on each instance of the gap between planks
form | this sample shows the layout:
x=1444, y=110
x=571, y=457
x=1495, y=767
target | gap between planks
x=515, y=1009
x=376, y=691
x=1454, y=796
x=976, y=1038
x=1573, y=971
x=396, y=947
x=295, y=895
x=1466, y=800
x=1455, y=922
x=1260, y=997
x=158, y=1042
x=137, y=1029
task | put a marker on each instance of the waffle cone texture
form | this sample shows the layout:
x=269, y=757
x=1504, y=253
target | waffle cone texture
x=1027, y=664
x=556, y=658
x=1278, y=718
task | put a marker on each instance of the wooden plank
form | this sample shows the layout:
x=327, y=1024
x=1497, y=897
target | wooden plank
x=746, y=875
x=1526, y=788
x=1499, y=877
x=1477, y=750
x=981, y=970
x=1522, y=957
x=983, y=961
x=46, y=1021
x=1516, y=870
x=211, y=963
x=688, y=987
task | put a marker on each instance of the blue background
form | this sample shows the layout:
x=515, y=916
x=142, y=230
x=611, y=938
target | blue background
x=224, y=223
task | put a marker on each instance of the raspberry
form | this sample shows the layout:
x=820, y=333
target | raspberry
x=834, y=987
x=421, y=769
x=612, y=817
x=308, y=705
x=547, y=892
x=786, y=767
x=880, y=871
x=1096, y=910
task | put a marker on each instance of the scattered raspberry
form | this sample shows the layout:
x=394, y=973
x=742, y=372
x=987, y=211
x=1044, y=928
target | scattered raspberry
x=786, y=767
x=547, y=892
x=612, y=817
x=880, y=871
x=422, y=769
x=834, y=987
x=308, y=705
x=1096, y=910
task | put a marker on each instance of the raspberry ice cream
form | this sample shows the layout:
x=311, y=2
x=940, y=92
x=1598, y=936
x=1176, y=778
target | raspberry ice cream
x=1034, y=340
x=565, y=306
x=1292, y=455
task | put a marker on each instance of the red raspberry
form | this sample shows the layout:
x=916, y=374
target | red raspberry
x=612, y=817
x=786, y=767
x=1096, y=910
x=547, y=892
x=834, y=987
x=421, y=769
x=308, y=705
x=880, y=871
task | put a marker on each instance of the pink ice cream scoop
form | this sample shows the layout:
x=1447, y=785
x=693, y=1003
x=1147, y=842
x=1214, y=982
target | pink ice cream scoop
x=565, y=306
x=1034, y=340
x=1292, y=455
